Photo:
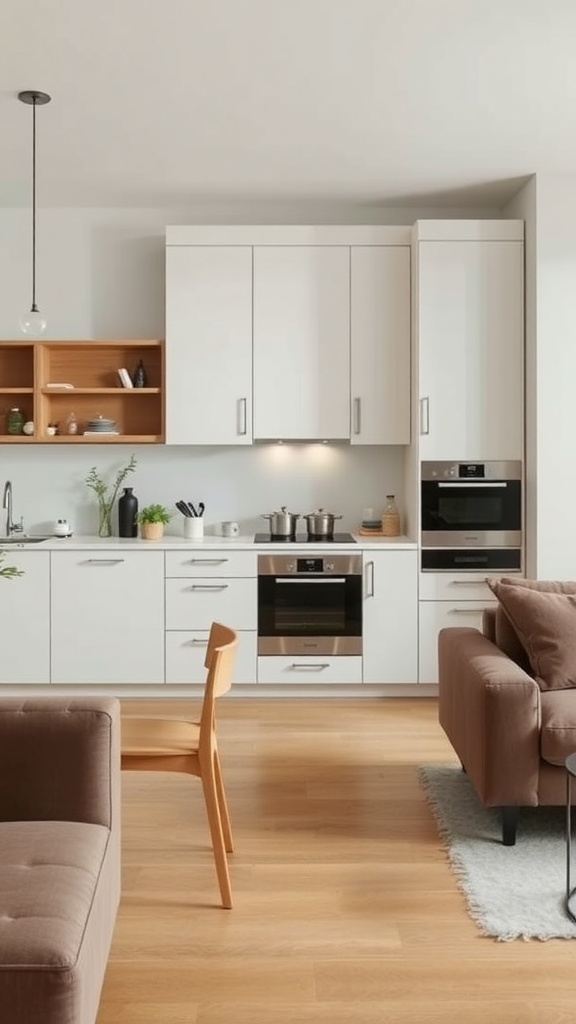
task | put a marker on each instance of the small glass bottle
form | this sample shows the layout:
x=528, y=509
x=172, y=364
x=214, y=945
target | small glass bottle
x=390, y=518
x=14, y=421
x=72, y=424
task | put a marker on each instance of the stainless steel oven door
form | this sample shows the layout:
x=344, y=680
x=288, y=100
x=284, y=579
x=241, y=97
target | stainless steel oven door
x=310, y=605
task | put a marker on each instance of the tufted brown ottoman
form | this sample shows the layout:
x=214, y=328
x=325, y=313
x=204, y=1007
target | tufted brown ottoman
x=59, y=879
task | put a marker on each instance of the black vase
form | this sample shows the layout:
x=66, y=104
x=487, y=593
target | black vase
x=139, y=378
x=127, y=512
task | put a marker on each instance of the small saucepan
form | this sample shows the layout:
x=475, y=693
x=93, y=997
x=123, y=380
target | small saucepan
x=320, y=523
x=283, y=523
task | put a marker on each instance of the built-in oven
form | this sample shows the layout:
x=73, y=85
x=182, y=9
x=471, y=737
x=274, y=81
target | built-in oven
x=471, y=515
x=310, y=603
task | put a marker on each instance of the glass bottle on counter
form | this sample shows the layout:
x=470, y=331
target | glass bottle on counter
x=390, y=518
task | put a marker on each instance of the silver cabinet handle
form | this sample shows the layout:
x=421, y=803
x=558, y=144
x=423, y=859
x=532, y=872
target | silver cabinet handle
x=467, y=583
x=357, y=415
x=209, y=586
x=310, y=666
x=104, y=561
x=194, y=642
x=242, y=416
x=425, y=415
x=466, y=611
x=369, y=579
x=206, y=561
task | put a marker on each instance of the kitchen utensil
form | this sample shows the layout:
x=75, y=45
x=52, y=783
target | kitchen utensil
x=183, y=508
x=192, y=508
x=201, y=507
x=283, y=523
x=320, y=523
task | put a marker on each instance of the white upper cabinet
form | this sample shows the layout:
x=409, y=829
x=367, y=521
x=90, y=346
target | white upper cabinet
x=470, y=332
x=208, y=344
x=301, y=342
x=380, y=344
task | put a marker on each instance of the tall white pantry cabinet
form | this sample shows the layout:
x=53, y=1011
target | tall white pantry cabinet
x=468, y=358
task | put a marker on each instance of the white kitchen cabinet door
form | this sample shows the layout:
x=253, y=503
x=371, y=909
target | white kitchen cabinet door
x=301, y=342
x=470, y=349
x=434, y=616
x=196, y=603
x=108, y=618
x=209, y=345
x=25, y=618
x=380, y=344
x=390, y=617
x=185, y=653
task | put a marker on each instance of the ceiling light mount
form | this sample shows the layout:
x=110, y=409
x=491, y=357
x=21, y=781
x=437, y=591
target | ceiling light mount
x=33, y=322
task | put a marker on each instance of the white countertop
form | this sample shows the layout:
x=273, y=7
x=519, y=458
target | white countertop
x=209, y=542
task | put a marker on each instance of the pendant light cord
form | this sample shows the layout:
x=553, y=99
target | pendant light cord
x=34, y=206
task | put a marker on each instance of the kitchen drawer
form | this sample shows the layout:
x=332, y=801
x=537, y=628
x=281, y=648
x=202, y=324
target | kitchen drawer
x=185, y=653
x=196, y=603
x=437, y=615
x=210, y=563
x=458, y=586
x=309, y=670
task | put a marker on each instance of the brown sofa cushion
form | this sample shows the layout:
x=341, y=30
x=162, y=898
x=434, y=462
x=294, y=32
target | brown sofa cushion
x=545, y=621
x=506, y=637
x=558, y=729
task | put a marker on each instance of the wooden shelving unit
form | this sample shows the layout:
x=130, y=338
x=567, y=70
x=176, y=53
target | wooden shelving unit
x=91, y=367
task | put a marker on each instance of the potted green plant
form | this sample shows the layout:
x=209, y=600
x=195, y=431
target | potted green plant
x=107, y=494
x=152, y=520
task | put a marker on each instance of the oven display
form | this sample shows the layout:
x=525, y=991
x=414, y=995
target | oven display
x=309, y=565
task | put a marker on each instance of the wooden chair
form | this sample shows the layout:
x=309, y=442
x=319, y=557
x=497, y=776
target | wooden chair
x=171, y=745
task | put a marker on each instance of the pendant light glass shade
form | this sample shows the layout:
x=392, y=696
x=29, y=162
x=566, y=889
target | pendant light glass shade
x=33, y=322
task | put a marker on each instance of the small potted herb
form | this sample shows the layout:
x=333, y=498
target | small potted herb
x=152, y=520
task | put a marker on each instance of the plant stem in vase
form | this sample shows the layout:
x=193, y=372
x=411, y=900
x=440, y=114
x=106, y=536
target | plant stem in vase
x=105, y=520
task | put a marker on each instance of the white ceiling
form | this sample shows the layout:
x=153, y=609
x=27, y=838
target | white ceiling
x=392, y=102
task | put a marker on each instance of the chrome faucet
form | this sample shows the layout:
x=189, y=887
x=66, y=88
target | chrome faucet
x=11, y=527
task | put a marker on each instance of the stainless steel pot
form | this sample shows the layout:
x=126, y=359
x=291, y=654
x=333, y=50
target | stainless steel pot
x=283, y=523
x=320, y=523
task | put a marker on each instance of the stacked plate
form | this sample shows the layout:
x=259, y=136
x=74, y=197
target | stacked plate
x=100, y=425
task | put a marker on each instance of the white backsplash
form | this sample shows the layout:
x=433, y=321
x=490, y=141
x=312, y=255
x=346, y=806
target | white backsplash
x=234, y=483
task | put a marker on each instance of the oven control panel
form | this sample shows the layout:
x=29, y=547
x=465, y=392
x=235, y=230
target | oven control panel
x=304, y=565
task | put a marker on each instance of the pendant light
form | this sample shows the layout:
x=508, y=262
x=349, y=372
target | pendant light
x=33, y=322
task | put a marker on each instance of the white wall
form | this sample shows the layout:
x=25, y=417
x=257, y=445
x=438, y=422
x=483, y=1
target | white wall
x=550, y=208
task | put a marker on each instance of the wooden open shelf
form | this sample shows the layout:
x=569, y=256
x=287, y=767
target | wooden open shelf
x=91, y=367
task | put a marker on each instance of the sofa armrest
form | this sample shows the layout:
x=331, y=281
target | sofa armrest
x=490, y=710
x=60, y=759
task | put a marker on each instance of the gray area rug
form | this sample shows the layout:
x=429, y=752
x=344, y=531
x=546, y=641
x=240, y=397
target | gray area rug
x=512, y=892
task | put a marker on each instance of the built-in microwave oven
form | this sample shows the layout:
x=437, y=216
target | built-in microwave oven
x=471, y=505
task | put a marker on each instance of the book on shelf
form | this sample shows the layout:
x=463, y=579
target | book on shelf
x=125, y=378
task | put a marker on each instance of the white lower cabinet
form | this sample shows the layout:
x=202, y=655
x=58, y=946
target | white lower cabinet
x=25, y=617
x=434, y=616
x=201, y=588
x=185, y=653
x=107, y=618
x=390, y=617
x=309, y=670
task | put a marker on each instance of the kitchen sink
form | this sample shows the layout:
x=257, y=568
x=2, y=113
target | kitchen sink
x=22, y=539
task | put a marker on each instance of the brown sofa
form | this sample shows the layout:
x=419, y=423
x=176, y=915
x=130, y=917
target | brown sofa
x=511, y=733
x=59, y=855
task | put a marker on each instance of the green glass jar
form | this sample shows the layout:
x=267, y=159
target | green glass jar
x=14, y=421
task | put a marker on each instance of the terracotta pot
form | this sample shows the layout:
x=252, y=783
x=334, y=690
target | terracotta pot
x=152, y=531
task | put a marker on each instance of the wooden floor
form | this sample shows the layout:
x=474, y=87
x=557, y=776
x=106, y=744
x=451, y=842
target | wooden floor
x=346, y=911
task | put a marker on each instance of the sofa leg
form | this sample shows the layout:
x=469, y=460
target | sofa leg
x=509, y=824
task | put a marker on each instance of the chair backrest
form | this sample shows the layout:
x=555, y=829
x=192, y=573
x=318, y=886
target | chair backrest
x=219, y=661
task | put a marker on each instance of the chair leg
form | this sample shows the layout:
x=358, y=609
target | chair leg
x=209, y=786
x=223, y=806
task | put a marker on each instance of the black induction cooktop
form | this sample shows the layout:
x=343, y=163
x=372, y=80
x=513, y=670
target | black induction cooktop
x=304, y=538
